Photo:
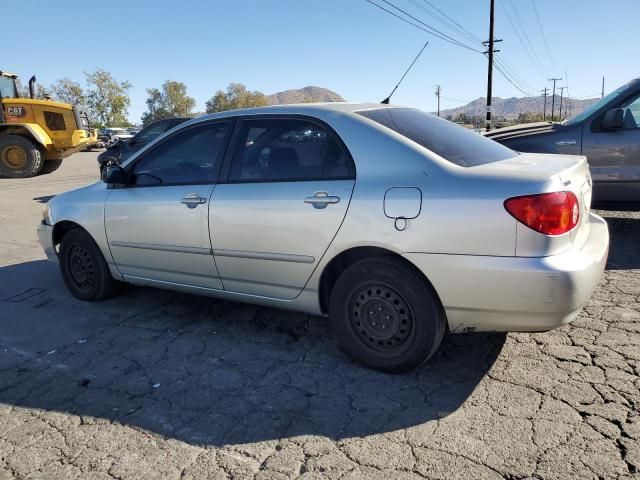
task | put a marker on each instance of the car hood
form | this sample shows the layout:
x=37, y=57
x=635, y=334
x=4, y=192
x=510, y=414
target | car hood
x=526, y=129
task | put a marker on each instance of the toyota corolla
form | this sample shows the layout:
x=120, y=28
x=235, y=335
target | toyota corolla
x=394, y=223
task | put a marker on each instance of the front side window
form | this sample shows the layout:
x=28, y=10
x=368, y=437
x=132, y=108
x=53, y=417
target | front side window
x=452, y=142
x=587, y=112
x=191, y=156
x=288, y=150
x=7, y=88
x=632, y=114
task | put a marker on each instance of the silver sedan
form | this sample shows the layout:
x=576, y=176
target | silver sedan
x=394, y=223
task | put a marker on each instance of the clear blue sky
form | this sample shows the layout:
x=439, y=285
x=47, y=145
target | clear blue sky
x=349, y=46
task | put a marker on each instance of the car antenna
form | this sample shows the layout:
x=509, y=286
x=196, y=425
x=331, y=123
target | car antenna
x=386, y=100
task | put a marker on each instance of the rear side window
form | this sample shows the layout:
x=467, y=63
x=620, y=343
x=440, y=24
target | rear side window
x=288, y=150
x=452, y=142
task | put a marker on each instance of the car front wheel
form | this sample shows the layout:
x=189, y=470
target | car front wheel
x=84, y=270
x=385, y=315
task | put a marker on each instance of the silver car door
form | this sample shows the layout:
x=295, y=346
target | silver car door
x=614, y=156
x=157, y=226
x=288, y=190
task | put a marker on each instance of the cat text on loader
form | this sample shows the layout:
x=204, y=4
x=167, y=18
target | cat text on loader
x=35, y=135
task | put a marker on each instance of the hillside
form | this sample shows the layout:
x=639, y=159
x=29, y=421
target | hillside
x=304, y=95
x=510, y=108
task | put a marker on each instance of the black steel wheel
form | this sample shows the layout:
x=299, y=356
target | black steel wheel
x=83, y=268
x=381, y=317
x=385, y=315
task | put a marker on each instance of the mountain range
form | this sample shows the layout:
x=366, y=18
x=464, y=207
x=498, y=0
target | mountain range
x=304, y=95
x=510, y=108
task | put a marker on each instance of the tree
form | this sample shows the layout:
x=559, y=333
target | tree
x=236, y=96
x=107, y=99
x=67, y=91
x=171, y=101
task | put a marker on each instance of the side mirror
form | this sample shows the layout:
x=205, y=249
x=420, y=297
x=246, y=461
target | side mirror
x=114, y=175
x=613, y=119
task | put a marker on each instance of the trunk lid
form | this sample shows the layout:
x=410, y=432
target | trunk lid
x=532, y=174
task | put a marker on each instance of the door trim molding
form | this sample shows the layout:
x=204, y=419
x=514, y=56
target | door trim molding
x=277, y=257
x=163, y=248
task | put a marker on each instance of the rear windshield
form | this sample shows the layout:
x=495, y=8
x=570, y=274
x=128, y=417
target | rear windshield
x=452, y=142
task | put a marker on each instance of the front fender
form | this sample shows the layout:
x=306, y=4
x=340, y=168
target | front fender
x=85, y=208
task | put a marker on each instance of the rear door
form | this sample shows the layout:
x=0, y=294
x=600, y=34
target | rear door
x=614, y=156
x=289, y=184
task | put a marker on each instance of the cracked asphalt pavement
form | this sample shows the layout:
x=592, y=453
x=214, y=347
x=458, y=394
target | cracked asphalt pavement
x=155, y=384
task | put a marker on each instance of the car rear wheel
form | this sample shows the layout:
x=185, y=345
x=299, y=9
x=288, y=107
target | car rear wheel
x=385, y=315
x=84, y=270
x=50, y=166
x=19, y=157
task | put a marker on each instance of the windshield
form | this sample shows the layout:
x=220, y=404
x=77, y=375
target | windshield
x=586, y=113
x=452, y=142
x=7, y=88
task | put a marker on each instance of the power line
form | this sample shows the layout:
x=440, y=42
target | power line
x=505, y=70
x=522, y=42
x=526, y=36
x=398, y=16
x=544, y=37
x=452, y=20
x=429, y=28
x=506, y=76
x=448, y=22
x=521, y=81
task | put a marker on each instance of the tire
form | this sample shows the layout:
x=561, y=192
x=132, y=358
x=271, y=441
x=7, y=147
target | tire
x=385, y=315
x=83, y=268
x=50, y=166
x=19, y=157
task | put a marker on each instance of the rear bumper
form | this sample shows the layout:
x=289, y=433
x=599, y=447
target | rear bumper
x=45, y=237
x=484, y=293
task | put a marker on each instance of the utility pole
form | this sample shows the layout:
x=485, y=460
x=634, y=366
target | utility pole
x=553, y=96
x=490, y=53
x=544, y=114
x=561, y=92
x=438, y=89
x=602, y=93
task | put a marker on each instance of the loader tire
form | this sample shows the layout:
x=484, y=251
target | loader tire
x=19, y=157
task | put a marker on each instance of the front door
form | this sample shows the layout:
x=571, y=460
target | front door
x=287, y=191
x=614, y=156
x=158, y=226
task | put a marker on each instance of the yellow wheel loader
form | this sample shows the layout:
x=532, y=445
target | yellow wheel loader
x=35, y=135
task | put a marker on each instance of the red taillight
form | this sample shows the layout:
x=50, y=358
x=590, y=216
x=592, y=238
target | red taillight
x=549, y=213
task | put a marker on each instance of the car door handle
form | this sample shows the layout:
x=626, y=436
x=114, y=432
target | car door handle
x=192, y=200
x=321, y=199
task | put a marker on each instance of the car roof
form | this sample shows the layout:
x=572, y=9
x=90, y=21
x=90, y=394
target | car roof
x=300, y=109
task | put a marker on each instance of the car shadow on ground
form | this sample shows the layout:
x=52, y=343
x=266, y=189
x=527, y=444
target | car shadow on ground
x=624, y=249
x=207, y=371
